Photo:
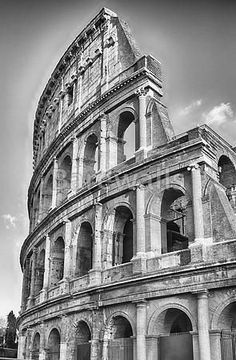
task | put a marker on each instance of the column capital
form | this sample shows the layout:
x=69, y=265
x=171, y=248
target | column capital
x=201, y=293
x=140, y=302
x=142, y=91
x=193, y=166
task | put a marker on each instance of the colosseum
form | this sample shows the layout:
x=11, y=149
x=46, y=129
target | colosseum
x=131, y=249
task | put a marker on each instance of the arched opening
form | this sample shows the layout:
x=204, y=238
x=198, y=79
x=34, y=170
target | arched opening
x=173, y=221
x=120, y=345
x=39, y=272
x=57, y=261
x=91, y=159
x=36, y=347
x=84, y=254
x=227, y=326
x=47, y=194
x=36, y=207
x=227, y=177
x=64, y=178
x=126, y=137
x=83, y=341
x=122, y=236
x=54, y=345
x=176, y=340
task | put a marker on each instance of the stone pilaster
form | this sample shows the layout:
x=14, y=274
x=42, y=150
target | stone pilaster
x=142, y=118
x=141, y=308
x=46, y=268
x=67, y=258
x=139, y=260
x=41, y=199
x=140, y=220
x=32, y=283
x=103, y=122
x=197, y=202
x=74, y=167
x=54, y=183
x=25, y=284
x=203, y=325
x=95, y=273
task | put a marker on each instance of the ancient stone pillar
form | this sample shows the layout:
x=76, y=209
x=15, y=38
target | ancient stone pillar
x=67, y=256
x=140, y=220
x=32, y=283
x=54, y=183
x=141, y=308
x=25, y=284
x=142, y=118
x=203, y=325
x=41, y=200
x=46, y=268
x=74, y=167
x=197, y=202
x=95, y=273
x=103, y=154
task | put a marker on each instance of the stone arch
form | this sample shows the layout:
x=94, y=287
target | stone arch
x=83, y=340
x=215, y=321
x=118, y=334
x=126, y=133
x=158, y=317
x=165, y=219
x=84, y=253
x=53, y=344
x=91, y=158
x=40, y=271
x=36, y=346
x=64, y=177
x=57, y=261
x=47, y=193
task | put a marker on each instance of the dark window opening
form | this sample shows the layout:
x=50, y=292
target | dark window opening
x=70, y=95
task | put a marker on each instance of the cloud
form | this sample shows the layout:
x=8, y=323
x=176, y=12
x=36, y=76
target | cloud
x=191, y=107
x=219, y=115
x=9, y=221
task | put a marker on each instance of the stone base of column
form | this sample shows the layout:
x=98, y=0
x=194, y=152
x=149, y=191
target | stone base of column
x=43, y=295
x=139, y=263
x=140, y=154
x=152, y=347
x=95, y=349
x=94, y=277
x=64, y=286
x=198, y=249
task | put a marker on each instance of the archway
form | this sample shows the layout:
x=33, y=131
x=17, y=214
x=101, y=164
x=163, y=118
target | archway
x=91, y=159
x=120, y=345
x=173, y=215
x=122, y=236
x=83, y=341
x=126, y=137
x=54, y=345
x=84, y=256
x=47, y=194
x=175, y=341
x=64, y=178
x=227, y=326
x=36, y=347
x=227, y=177
x=57, y=261
x=40, y=272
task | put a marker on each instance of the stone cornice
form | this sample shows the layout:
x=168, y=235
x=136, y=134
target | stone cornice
x=160, y=275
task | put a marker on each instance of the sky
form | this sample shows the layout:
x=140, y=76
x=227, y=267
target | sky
x=195, y=41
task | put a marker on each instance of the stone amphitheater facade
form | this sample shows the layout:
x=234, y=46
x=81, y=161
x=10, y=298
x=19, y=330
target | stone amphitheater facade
x=131, y=249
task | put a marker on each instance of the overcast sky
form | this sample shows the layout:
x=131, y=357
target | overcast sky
x=194, y=40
